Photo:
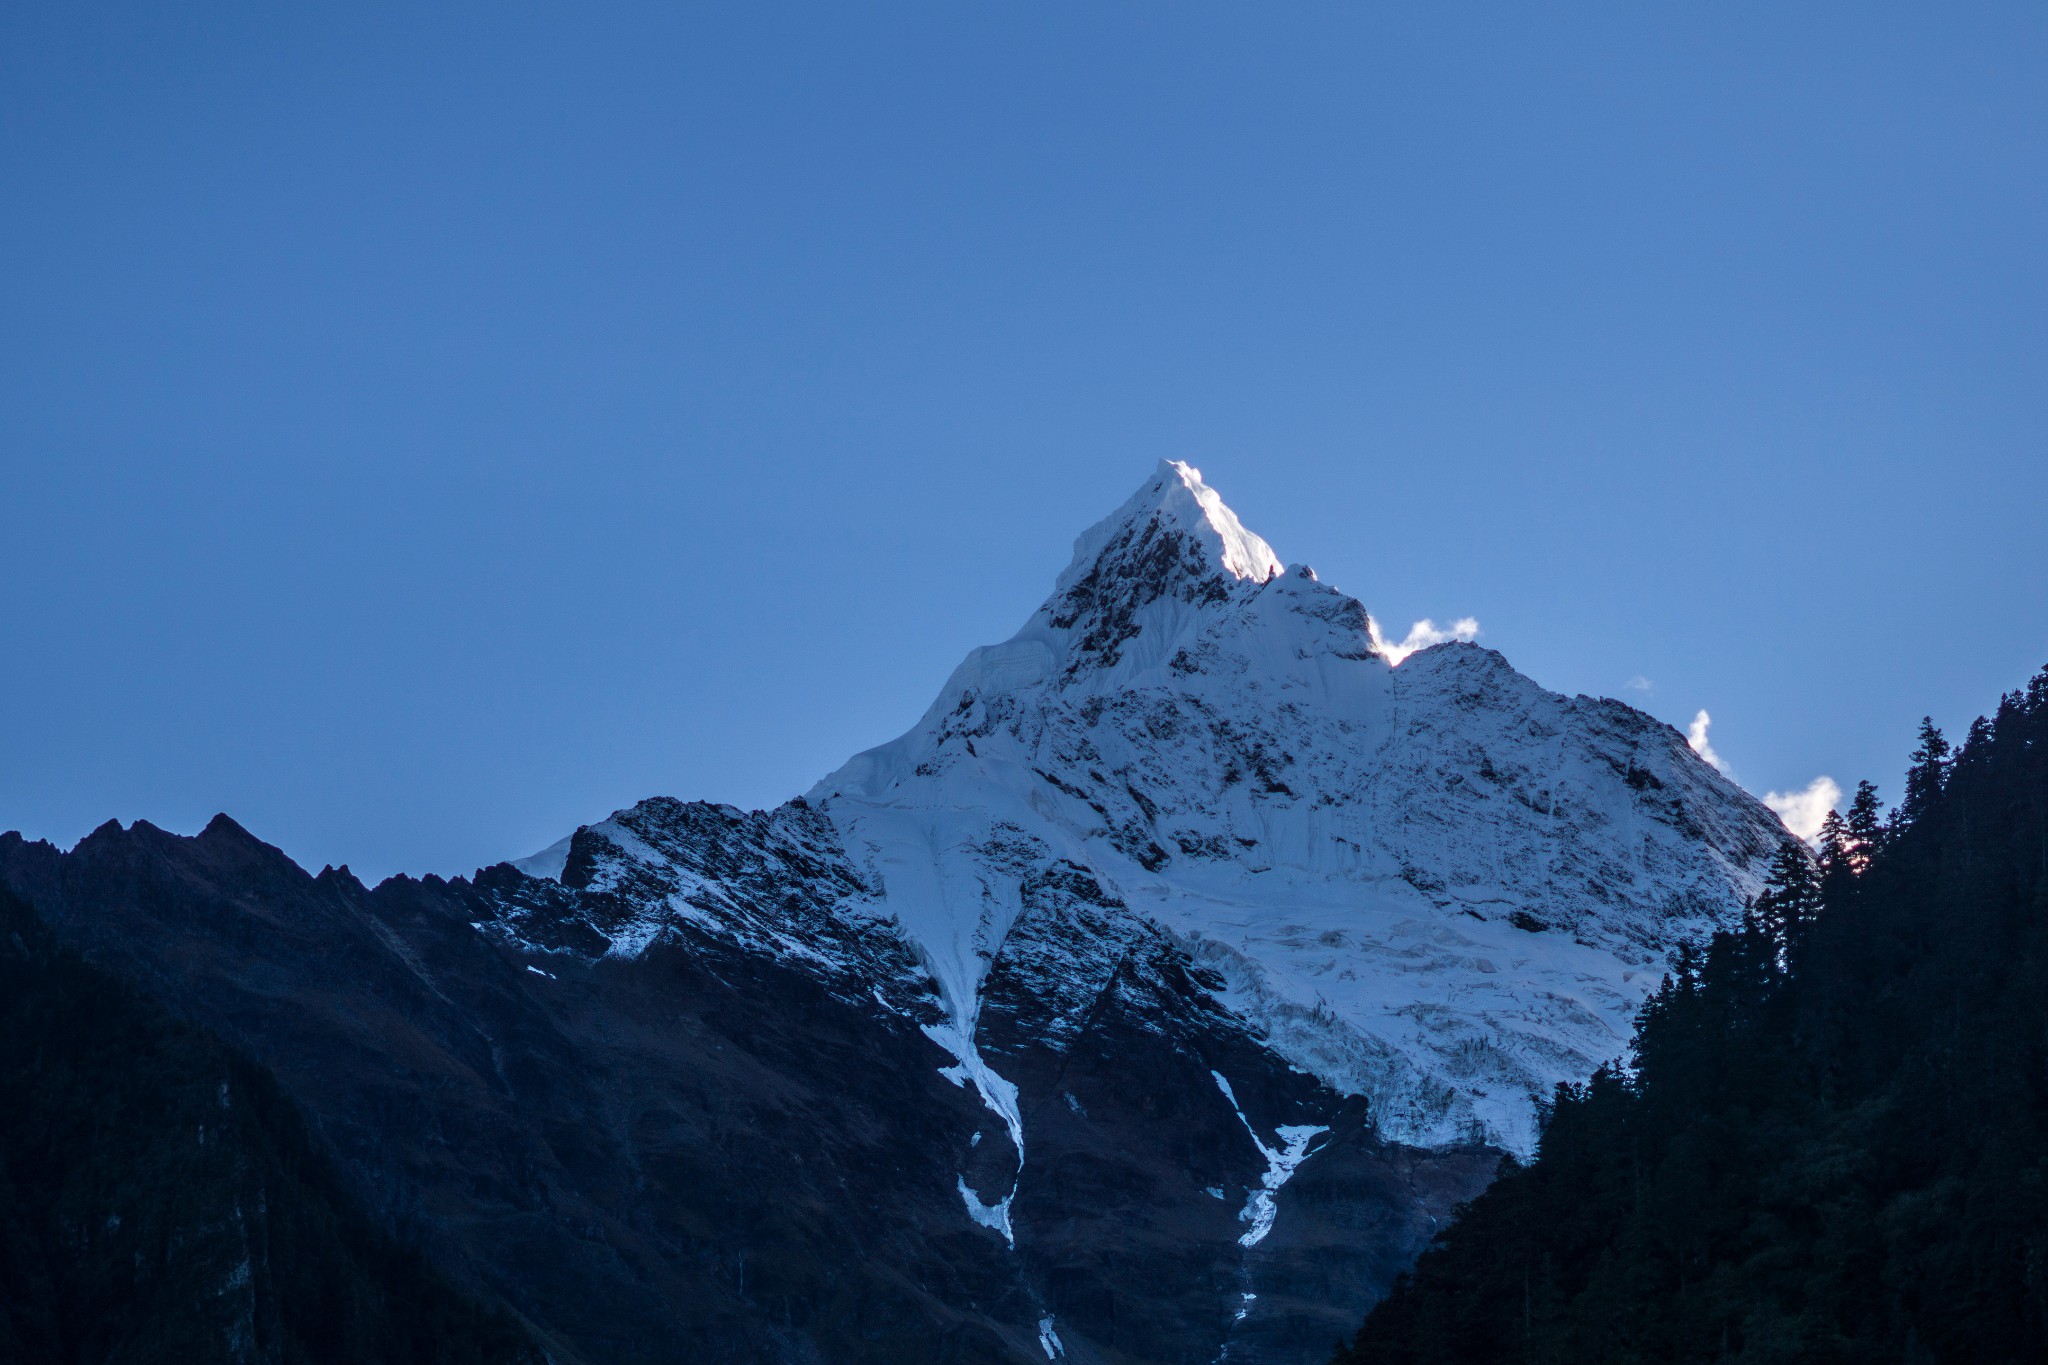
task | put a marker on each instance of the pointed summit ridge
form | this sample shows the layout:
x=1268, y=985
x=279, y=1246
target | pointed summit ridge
x=1176, y=501
x=1172, y=545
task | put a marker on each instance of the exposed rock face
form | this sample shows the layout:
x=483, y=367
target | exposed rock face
x=1149, y=1001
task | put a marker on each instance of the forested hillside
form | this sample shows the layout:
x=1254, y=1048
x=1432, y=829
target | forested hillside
x=161, y=1202
x=1830, y=1143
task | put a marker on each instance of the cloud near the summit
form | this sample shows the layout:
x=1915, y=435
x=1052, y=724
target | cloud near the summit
x=1422, y=635
x=1803, y=811
x=1696, y=736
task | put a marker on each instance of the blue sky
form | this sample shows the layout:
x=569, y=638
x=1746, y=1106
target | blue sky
x=426, y=428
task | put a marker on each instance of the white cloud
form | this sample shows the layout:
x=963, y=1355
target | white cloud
x=1639, y=683
x=1422, y=635
x=1696, y=736
x=1803, y=811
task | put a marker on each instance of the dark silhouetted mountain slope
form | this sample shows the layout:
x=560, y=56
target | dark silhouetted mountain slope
x=160, y=1201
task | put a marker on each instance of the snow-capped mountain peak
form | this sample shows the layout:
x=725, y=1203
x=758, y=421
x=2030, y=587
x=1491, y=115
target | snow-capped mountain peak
x=1174, y=501
x=1436, y=885
x=1172, y=547
x=1196, y=830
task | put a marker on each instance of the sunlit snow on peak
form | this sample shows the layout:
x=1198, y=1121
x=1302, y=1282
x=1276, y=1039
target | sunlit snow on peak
x=1244, y=554
x=1802, y=810
x=1696, y=736
x=1176, y=498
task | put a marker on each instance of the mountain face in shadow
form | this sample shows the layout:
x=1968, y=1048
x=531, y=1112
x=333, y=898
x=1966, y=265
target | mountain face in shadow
x=160, y=1201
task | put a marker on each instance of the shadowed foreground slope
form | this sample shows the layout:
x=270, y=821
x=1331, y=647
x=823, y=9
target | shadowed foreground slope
x=161, y=1202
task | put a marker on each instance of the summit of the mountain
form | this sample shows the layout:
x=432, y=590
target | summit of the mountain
x=1172, y=549
x=1172, y=543
x=1173, y=502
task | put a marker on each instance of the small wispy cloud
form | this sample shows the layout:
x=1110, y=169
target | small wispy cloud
x=1641, y=684
x=1422, y=635
x=1696, y=736
x=1804, y=810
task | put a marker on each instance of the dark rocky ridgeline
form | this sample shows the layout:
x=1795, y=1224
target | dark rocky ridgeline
x=708, y=1153
x=1833, y=1146
x=161, y=1201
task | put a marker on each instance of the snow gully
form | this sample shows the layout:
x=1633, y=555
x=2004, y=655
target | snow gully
x=1281, y=1163
x=1000, y=1096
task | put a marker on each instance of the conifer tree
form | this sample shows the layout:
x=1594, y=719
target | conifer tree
x=1866, y=826
x=1836, y=850
x=1926, y=775
x=1789, y=901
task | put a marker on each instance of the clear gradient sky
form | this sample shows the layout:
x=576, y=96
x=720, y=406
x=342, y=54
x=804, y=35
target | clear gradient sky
x=424, y=428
